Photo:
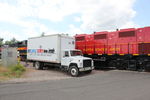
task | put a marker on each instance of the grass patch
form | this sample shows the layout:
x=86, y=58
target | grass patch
x=11, y=72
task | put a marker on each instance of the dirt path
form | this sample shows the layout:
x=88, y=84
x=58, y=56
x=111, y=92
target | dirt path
x=33, y=75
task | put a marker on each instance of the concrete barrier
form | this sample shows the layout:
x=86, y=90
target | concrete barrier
x=9, y=56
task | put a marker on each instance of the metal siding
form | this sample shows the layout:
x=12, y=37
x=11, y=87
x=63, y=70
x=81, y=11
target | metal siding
x=112, y=43
x=143, y=40
x=47, y=43
x=80, y=44
x=67, y=43
x=147, y=34
x=89, y=44
x=127, y=45
x=100, y=44
x=144, y=48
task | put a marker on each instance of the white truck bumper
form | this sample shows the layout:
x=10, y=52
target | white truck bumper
x=86, y=69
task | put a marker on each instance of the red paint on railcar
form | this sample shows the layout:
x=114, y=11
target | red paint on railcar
x=124, y=41
x=100, y=41
x=143, y=40
x=127, y=41
x=89, y=44
x=112, y=43
x=80, y=42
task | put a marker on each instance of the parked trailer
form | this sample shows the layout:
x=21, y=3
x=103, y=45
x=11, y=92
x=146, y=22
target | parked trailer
x=58, y=50
x=122, y=49
x=22, y=50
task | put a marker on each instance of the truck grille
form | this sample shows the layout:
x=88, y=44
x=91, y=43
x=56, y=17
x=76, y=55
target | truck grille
x=87, y=63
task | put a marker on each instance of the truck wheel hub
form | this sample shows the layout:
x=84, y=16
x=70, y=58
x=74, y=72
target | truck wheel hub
x=36, y=65
x=73, y=71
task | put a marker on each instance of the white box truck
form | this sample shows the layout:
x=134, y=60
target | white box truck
x=58, y=50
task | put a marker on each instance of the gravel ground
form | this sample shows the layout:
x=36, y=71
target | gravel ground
x=32, y=75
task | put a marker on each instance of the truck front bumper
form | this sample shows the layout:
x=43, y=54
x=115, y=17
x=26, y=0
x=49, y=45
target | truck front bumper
x=86, y=69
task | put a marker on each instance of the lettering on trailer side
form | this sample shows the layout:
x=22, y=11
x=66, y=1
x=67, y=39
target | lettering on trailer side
x=41, y=52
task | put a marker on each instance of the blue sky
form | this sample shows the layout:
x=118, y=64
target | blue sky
x=28, y=18
x=142, y=9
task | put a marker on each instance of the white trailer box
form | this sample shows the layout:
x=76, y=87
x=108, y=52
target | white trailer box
x=49, y=48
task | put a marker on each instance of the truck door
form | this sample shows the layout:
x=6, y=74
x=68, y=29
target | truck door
x=65, y=59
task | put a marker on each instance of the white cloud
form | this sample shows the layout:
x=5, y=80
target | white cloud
x=94, y=15
x=108, y=14
x=77, y=19
x=73, y=30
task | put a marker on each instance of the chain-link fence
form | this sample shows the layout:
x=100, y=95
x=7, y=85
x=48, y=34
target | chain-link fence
x=9, y=56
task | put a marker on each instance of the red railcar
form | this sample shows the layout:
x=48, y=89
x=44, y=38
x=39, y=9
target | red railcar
x=125, y=41
x=126, y=48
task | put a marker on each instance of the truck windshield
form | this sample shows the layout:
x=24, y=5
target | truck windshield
x=75, y=53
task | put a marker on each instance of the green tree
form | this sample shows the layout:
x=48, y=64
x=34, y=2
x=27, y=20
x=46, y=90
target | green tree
x=12, y=41
x=1, y=41
x=7, y=43
x=43, y=34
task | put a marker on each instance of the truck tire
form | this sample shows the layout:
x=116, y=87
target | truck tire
x=38, y=65
x=74, y=71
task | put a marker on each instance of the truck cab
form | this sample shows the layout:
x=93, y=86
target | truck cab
x=74, y=62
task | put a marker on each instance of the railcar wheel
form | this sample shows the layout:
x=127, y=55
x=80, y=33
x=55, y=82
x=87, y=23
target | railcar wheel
x=147, y=66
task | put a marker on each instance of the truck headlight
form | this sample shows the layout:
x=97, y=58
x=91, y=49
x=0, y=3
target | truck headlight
x=92, y=63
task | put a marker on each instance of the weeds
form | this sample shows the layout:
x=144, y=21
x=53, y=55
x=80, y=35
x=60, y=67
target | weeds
x=11, y=72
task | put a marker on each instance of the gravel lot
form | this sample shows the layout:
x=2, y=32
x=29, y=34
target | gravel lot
x=32, y=75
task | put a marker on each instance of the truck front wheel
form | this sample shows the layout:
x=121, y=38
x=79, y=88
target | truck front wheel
x=74, y=71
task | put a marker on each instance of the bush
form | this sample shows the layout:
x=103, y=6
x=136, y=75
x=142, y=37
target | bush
x=17, y=70
x=17, y=67
x=11, y=72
